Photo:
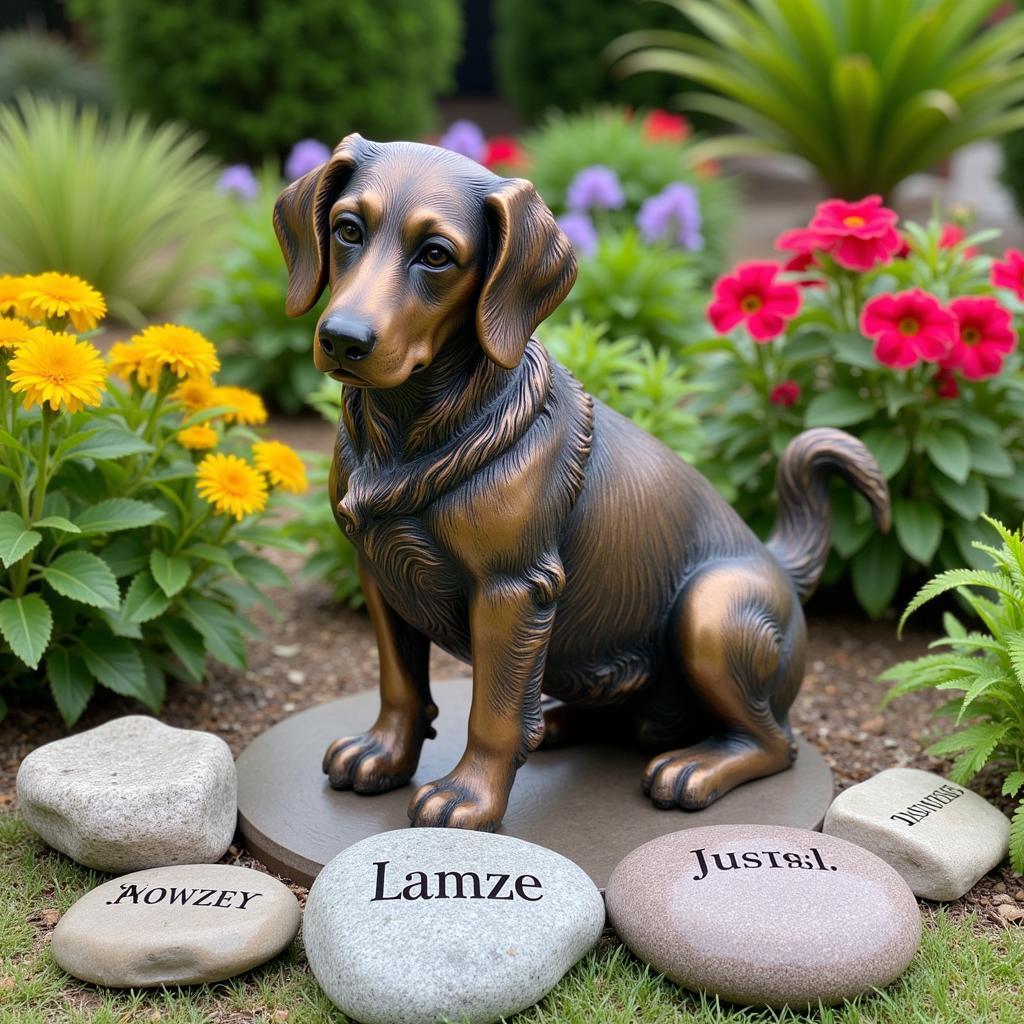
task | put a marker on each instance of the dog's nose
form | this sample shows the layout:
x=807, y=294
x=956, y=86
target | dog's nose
x=343, y=337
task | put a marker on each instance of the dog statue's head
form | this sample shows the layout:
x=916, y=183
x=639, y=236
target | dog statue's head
x=417, y=244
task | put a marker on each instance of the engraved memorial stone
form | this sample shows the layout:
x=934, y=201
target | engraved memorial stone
x=939, y=836
x=178, y=925
x=132, y=794
x=764, y=915
x=413, y=926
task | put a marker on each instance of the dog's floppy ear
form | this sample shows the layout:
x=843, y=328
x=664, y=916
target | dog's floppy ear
x=531, y=267
x=300, y=222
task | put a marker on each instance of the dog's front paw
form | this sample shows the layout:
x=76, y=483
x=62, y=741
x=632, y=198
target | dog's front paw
x=373, y=762
x=460, y=800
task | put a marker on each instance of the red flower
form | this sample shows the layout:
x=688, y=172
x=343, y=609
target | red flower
x=1010, y=274
x=661, y=125
x=752, y=295
x=952, y=235
x=946, y=384
x=504, y=150
x=785, y=393
x=986, y=336
x=904, y=250
x=858, y=235
x=908, y=326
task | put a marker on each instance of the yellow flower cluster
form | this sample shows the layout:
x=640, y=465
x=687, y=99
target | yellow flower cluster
x=49, y=366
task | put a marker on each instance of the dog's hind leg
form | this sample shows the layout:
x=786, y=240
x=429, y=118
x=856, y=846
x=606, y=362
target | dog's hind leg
x=386, y=756
x=738, y=636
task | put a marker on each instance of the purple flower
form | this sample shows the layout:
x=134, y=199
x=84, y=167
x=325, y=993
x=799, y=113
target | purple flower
x=580, y=230
x=239, y=180
x=305, y=157
x=465, y=138
x=595, y=188
x=673, y=214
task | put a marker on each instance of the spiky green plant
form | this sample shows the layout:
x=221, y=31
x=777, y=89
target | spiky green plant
x=866, y=91
x=984, y=666
x=129, y=207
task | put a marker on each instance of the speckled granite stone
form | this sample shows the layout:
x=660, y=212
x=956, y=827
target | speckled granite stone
x=763, y=915
x=411, y=926
x=132, y=794
x=939, y=836
x=178, y=925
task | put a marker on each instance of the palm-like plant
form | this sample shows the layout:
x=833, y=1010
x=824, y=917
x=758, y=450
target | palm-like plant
x=866, y=91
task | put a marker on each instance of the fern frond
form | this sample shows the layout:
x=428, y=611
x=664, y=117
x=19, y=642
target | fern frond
x=954, y=579
x=1017, y=839
x=1013, y=783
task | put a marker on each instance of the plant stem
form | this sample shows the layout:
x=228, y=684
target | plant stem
x=44, y=456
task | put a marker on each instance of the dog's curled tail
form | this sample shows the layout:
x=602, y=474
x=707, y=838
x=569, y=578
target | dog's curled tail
x=802, y=533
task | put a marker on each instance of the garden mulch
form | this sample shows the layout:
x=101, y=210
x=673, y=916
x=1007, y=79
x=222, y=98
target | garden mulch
x=313, y=652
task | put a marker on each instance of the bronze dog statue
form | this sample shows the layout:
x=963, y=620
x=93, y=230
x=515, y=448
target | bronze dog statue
x=502, y=513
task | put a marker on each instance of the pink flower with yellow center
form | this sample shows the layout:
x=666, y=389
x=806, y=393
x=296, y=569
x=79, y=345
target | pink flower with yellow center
x=753, y=296
x=858, y=235
x=907, y=327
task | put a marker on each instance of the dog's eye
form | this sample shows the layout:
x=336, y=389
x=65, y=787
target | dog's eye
x=435, y=256
x=349, y=232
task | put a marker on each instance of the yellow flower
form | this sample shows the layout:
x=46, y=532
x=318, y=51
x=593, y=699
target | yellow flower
x=125, y=359
x=198, y=438
x=231, y=485
x=183, y=351
x=13, y=332
x=247, y=406
x=282, y=465
x=58, y=369
x=11, y=287
x=53, y=295
x=196, y=393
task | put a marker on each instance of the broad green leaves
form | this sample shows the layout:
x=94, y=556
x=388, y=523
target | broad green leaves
x=117, y=514
x=84, y=577
x=26, y=623
x=170, y=573
x=16, y=539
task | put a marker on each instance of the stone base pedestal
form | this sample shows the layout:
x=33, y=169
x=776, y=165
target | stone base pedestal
x=584, y=802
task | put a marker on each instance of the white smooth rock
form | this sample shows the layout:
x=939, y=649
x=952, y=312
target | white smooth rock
x=411, y=926
x=179, y=925
x=939, y=836
x=132, y=794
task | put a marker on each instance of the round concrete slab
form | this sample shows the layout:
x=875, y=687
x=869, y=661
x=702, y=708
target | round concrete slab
x=584, y=802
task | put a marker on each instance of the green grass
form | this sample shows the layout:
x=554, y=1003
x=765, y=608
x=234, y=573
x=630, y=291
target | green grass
x=960, y=974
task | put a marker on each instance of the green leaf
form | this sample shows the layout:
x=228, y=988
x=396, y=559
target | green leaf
x=209, y=553
x=977, y=743
x=144, y=600
x=1013, y=783
x=156, y=681
x=57, y=523
x=16, y=539
x=9, y=441
x=918, y=528
x=954, y=579
x=218, y=628
x=126, y=554
x=115, y=663
x=1017, y=840
x=117, y=514
x=26, y=624
x=110, y=442
x=187, y=644
x=70, y=683
x=948, y=449
x=83, y=577
x=889, y=448
x=968, y=500
x=260, y=572
x=855, y=350
x=875, y=572
x=989, y=458
x=839, y=407
x=170, y=572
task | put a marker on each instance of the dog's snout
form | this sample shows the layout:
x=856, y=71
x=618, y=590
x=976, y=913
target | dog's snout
x=343, y=337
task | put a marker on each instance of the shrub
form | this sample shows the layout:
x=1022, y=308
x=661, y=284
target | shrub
x=984, y=666
x=549, y=53
x=131, y=208
x=650, y=292
x=240, y=307
x=128, y=546
x=912, y=353
x=864, y=98
x=254, y=78
x=47, y=66
x=647, y=156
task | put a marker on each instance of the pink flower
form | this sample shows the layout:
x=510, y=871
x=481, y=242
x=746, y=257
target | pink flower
x=908, y=326
x=504, y=151
x=858, y=235
x=985, y=337
x=952, y=235
x=751, y=295
x=1010, y=273
x=946, y=384
x=785, y=393
x=660, y=124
